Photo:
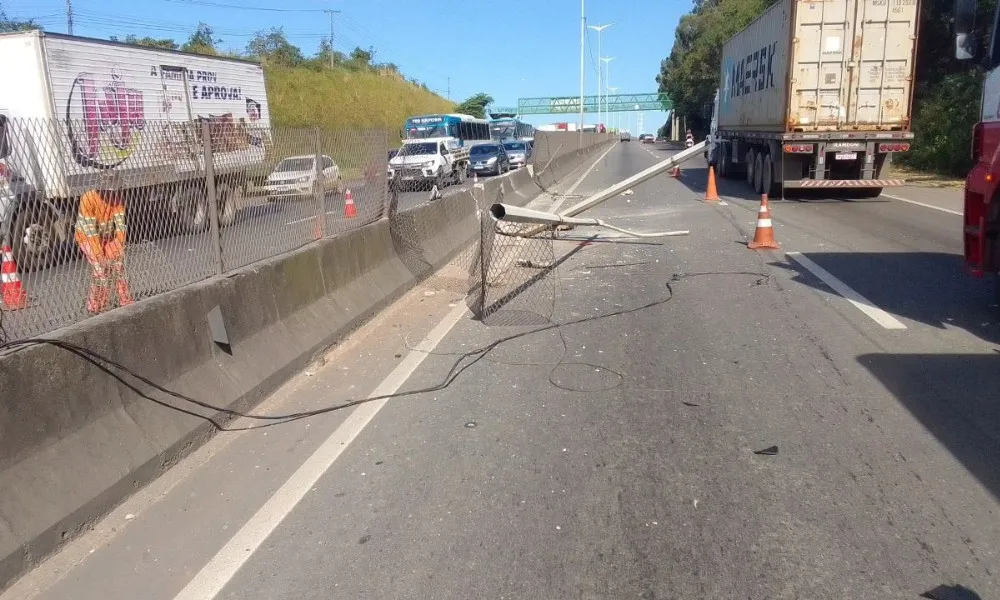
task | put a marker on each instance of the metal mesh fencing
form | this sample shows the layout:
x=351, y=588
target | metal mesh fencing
x=103, y=212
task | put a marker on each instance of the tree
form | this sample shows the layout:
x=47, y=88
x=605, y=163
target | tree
x=475, y=105
x=147, y=42
x=360, y=59
x=202, y=41
x=8, y=25
x=272, y=47
x=690, y=75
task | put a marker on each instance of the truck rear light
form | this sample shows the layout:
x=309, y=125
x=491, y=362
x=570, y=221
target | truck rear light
x=798, y=148
x=893, y=147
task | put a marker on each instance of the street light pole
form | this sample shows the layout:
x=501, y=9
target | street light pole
x=583, y=36
x=599, y=29
x=607, y=65
x=613, y=90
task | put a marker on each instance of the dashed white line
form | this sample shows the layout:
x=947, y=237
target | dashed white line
x=555, y=207
x=908, y=201
x=876, y=314
x=214, y=576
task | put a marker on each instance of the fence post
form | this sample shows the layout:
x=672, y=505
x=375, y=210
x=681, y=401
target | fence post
x=320, y=229
x=383, y=175
x=213, y=203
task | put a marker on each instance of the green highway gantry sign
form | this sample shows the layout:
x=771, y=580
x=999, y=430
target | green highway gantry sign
x=571, y=104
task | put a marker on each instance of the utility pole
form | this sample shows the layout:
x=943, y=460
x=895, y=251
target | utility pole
x=69, y=17
x=599, y=29
x=583, y=37
x=331, y=13
x=449, y=88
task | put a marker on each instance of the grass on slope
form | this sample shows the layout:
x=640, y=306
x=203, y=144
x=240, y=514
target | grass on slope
x=343, y=99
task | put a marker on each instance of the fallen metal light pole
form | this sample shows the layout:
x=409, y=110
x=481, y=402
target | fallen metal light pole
x=514, y=214
x=634, y=180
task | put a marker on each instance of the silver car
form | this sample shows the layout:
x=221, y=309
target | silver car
x=519, y=152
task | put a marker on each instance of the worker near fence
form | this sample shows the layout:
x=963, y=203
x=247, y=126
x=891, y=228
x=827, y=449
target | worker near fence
x=100, y=233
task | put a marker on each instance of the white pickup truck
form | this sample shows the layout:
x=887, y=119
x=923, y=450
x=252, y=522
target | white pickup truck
x=428, y=162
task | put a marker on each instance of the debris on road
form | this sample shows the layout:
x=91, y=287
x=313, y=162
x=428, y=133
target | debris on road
x=769, y=451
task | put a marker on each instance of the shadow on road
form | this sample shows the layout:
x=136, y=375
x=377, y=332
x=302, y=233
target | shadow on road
x=928, y=287
x=955, y=397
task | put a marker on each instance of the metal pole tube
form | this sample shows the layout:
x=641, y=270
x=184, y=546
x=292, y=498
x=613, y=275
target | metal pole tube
x=583, y=33
x=213, y=204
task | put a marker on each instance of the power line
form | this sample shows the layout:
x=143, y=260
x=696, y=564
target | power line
x=238, y=7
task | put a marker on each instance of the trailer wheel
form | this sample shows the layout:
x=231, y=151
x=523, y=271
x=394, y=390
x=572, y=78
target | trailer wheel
x=767, y=177
x=722, y=158
x=758, y=172
x=192, y=208
x=33, y=238
x=751, y=163
x=230, y=196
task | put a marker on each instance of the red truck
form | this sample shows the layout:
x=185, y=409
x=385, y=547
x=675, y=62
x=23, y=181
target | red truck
x=981, y=226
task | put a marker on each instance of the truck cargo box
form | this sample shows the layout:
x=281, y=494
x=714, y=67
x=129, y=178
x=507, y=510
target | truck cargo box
x=821, y=65
x=78, y=106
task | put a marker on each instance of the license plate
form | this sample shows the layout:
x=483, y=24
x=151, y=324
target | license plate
x=846, y=155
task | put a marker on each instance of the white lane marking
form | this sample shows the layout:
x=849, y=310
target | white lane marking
x=555, y=207
x=214, y=576
x=312, y=218
x=907, y=200
x=860, y=302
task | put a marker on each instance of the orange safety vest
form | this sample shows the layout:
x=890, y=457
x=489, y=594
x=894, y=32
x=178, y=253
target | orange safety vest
x=98, y=223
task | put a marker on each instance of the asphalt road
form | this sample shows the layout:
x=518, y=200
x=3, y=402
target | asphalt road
x=157, y=263
x=606, y=448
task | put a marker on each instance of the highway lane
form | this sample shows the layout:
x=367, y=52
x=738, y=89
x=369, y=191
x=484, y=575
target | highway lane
x=613, y=456
x=157, y=263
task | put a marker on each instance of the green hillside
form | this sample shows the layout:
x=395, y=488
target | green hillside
x=343, y=98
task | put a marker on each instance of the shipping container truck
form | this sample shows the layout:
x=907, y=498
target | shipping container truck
x=817, y=94
x=981, y=214
x=72, y=108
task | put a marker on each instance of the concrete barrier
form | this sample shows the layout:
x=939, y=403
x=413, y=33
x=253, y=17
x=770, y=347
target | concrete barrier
x=75, y=442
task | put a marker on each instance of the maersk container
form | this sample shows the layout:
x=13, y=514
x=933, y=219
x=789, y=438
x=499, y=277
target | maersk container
x=821, y=65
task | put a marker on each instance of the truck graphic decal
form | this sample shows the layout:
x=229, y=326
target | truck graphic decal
x=112, y=116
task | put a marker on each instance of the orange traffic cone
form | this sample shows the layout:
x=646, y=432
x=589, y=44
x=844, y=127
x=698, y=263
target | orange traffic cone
x=14, y=296
x=317, y=229
x=350, y=211
x=676, y=173
x=711, y=193
x=763, y=236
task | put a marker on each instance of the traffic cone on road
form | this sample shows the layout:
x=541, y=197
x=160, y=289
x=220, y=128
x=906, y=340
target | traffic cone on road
x=350, y=211
x=317, y=232
x=711, y=193
x=13, y=295
x=763, y=236
x=676, y=173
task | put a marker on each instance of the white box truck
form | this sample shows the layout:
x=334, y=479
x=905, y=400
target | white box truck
x=72, y=108
x=817, y=94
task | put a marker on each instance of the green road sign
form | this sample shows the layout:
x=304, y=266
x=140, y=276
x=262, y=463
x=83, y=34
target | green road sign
x=571, y=104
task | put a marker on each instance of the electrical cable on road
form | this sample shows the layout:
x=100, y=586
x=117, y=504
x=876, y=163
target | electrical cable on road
x=132, y=380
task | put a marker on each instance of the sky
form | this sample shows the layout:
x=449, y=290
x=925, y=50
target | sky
x=508, y=49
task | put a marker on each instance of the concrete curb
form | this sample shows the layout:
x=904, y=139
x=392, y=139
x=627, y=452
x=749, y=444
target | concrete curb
x=75, y=442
